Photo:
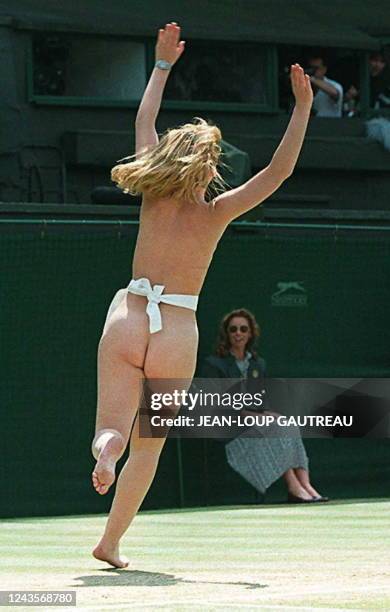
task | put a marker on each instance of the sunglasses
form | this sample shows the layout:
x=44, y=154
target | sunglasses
x=233, y=328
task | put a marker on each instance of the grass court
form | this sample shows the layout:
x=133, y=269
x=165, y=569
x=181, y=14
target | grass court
x=333, y=556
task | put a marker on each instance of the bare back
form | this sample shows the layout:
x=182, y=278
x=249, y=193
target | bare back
x=175, y=244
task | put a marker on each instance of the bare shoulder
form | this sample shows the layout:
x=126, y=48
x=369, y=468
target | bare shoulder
x=235, y=202
x=222, y=207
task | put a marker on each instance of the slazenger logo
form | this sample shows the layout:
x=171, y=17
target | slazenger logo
x=289, y=294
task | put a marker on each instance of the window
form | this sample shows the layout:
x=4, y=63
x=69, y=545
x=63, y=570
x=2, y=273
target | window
x=343, y=66
x=87, y=67
x=229, y=73
x=78, y=69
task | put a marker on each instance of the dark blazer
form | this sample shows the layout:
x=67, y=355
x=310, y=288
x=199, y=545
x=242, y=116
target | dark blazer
x=226, y=367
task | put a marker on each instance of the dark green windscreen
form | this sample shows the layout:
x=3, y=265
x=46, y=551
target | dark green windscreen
x=323, y=307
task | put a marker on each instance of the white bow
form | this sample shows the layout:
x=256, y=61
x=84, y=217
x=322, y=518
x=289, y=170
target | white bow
x=154, y=296
x=142, y=286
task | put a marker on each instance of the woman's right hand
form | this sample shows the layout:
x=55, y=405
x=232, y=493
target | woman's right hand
x=168, y=47
x=301, y=86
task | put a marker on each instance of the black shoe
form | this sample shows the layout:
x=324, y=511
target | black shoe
x=294, y=499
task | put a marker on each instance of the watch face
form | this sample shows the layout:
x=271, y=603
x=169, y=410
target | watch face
x=163, y=64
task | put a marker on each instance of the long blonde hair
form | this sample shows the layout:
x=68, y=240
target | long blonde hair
x=185, y=158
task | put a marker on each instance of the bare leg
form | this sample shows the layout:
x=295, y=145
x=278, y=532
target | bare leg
x=119, y=387
x=119, y=390
x=170, y=363
x=294, y=486
x=303, y=477
x=133, y=483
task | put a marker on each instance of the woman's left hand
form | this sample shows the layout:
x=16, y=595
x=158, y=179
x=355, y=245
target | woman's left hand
x=168, y=47
x=301, y=86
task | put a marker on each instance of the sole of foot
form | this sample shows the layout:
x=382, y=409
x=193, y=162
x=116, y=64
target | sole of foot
x=102, y=479
x=104, y=473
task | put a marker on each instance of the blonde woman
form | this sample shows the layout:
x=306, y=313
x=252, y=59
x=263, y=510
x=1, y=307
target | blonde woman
x=151, y=330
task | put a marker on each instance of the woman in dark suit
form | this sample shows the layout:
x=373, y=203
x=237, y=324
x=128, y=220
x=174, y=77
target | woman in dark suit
x=260, y=460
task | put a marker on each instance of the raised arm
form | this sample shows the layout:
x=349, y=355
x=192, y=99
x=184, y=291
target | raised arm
x=168, y=51
x=234, y=203
x=326, y=87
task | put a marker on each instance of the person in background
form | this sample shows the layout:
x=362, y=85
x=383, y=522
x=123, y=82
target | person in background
x=379, y=81
x=328, y=94
x=379, y=85
x=260, y=460
x=351, y=105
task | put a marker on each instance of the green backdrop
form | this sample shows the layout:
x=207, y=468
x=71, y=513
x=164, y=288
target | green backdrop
x=56, y=284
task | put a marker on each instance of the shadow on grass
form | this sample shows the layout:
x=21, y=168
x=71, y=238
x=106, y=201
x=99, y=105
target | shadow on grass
x=123, y=577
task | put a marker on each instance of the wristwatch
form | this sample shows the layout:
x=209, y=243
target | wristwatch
x=163, y=65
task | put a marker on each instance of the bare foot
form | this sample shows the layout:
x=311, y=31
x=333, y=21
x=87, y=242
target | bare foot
x=104, y=473
x=110, y=555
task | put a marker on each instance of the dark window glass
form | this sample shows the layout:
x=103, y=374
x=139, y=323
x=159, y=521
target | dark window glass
x=220, y=72
x=88, y=66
